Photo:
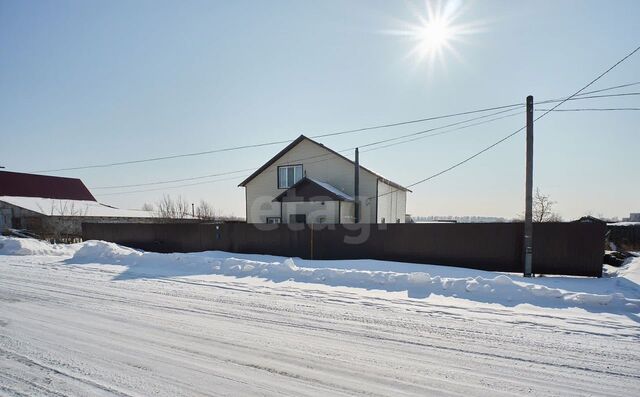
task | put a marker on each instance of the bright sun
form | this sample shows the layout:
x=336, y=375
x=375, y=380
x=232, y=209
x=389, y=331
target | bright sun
x=435, y=31
x=433, y=36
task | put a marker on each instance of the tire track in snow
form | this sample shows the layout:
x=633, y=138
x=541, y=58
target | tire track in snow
x=32, y=363
x=321, y=324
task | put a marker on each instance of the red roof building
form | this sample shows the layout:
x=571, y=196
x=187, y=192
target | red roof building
x=54, y=187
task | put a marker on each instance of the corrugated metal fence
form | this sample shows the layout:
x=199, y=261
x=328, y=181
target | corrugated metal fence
x=559, y=248
x=625, y=237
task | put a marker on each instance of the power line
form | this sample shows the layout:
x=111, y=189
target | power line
x=590, y=110
x=368, y=144
x=341, y=151
x=456, y=114
x=170, y=187
x=610, y=88
x=588, y=97
x=435, y=129
x=517, y=131
x=416, y=121
x=173, y=180
x=444, y=132
x=273, y=142
x=264, y=144
x=167, y=157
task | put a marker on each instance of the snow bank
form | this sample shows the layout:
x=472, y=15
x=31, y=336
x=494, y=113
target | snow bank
x=618, y=292
x=103, y=252
x=499, y=288
x=30, y=246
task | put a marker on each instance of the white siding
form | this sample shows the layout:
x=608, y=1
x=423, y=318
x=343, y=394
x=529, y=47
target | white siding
x=392, y=203
x=346, y=212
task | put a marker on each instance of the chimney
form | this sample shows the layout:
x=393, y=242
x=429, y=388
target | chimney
x=356, y=190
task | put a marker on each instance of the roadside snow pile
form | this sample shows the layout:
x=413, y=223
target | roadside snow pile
x=30, y=246
x=103, y=252
x=499, y=289
x=629, y=271
x=619, y=291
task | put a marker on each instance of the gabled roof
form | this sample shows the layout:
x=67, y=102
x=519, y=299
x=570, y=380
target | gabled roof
x=339, y=193
x=302, y=138
x=54, y=187
x=308, y=189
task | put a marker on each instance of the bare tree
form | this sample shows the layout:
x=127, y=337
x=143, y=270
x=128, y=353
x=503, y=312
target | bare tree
x=205, y=210
x=147, y=207
x=65, y=208
x=543, y=208
x=170, y=208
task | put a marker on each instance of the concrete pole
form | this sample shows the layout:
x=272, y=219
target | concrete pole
x=528, y=213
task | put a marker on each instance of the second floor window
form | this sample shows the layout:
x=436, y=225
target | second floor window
x=288, y=175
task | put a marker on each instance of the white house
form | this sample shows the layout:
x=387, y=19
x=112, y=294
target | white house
x=307, y=182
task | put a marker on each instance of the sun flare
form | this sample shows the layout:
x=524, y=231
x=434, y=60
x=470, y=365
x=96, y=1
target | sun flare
x=435, y=31
x=433, y=36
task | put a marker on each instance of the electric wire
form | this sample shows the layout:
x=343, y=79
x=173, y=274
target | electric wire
x=466, y=160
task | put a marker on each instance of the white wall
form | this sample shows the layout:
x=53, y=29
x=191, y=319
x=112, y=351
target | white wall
x=317, y=163
x=346, y=212
x=392, y=203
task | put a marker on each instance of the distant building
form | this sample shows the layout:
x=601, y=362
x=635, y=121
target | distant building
x=590, y=219
x=634, y=217
x=55, y=207
x=309, y=183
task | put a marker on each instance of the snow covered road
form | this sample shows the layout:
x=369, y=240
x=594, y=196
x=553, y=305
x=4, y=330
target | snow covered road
x=84, y=329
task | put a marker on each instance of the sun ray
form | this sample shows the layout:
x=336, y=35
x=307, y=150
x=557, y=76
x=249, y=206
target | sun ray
x=435, y=31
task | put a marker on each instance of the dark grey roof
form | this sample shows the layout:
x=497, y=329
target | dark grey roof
x=308, y=189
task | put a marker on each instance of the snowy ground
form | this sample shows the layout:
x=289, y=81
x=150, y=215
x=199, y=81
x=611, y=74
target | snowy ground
x=98, y=319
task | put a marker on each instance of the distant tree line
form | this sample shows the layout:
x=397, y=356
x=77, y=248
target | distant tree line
x=460, y=219
x=542, y=211
x=180, y=208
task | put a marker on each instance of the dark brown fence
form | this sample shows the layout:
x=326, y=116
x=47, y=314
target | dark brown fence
x=559, y=248
x=624, y=237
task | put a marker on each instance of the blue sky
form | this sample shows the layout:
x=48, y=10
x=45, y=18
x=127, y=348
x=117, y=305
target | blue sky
x=86, y=82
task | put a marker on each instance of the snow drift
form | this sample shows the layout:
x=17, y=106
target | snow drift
x=616, y=293
x=28, y=246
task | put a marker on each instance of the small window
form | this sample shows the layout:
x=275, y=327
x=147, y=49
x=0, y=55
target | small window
x=297, y=218
x=288, y=175
x=274, y=219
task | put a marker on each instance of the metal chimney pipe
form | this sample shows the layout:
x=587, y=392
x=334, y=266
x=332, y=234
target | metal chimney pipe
x=356, y=190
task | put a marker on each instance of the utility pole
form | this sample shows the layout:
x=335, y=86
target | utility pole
x=528, y=211
x=356, y=190
x=193, y=210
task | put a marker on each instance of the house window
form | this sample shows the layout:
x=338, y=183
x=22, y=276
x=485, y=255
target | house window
x=297, y=218
x=288, y=175
x=274, y=219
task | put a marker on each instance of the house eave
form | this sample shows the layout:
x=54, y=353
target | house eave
x=295, y=143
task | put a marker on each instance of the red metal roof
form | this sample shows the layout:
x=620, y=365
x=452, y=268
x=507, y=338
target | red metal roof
x=54, y=187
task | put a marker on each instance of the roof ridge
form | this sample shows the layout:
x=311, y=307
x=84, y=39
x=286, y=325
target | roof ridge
x=299, y=139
